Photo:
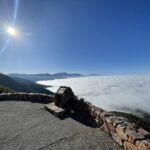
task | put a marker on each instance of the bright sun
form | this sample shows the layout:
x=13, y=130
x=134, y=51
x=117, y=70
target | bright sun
x=11, y=31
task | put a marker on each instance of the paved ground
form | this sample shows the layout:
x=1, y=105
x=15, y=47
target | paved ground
x=27, y=126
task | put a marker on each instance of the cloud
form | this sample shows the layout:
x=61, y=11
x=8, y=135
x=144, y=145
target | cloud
x=110, y=92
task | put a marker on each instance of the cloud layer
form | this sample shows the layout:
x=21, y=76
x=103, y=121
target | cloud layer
x=110, y=92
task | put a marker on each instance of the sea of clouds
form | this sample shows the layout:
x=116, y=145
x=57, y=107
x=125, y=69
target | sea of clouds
x=112, y=93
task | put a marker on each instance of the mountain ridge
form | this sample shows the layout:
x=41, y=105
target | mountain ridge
x=45, y=76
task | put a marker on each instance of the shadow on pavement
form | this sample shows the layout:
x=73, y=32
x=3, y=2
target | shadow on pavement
x=85, y=120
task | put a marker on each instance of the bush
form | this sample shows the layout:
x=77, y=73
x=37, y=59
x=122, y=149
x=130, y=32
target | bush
x=139, y=121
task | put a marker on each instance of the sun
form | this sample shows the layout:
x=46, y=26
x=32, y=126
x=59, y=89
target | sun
x=11, y=31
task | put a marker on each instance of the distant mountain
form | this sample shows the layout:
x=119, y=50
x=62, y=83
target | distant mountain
x=45, y=76
x=21, y=85
x=94, y=74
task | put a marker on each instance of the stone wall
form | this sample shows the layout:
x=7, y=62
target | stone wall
x=33, y=97
x=127, y=134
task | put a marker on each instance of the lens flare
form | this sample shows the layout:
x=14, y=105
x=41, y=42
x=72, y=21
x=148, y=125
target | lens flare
x=11, y=31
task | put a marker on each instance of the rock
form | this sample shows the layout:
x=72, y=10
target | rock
x=117, y=138
x=97, y=114
x=111, y=119
x=105, y=114
x=92, y=110
x=64, y=97
x=100, y=121
x=97, y=122
x=133, y=136
x=121, y=121
x=111, y=127
x=143, y=132
x=129, y=146
x=120, y=130
x=144, y=145
x=105, y=128
x=100, y=109
x=130, y=126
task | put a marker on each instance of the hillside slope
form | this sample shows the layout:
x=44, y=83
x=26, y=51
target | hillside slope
x=4, y=89
x=21, y=85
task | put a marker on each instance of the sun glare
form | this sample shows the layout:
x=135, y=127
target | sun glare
x=11, y=31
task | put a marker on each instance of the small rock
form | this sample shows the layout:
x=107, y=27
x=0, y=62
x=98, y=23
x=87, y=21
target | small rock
x=105, y=128
x=143, y=145
x=129, y=146
x=133, y=136
x=130, y=126
x=105, y=114
x=100, y=121
x=97, y=114
x=111, y=119
x=120, y=130
x=111, y=127
x=120, y=121
x=143, y=132
x=117, y=138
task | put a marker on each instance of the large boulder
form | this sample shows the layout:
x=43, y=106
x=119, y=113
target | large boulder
x=65, y=97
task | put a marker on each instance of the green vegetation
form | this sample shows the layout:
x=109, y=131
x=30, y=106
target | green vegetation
x=139, y=121
x=6, y=90
x=22, y=85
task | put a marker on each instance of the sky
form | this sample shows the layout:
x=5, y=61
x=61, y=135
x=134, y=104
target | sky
x=82, y=36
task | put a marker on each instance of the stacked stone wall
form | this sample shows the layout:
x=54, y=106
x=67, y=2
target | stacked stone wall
x=33, y=97
x=125, y=133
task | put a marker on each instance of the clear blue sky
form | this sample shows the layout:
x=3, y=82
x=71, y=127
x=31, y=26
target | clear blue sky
x=83, y=36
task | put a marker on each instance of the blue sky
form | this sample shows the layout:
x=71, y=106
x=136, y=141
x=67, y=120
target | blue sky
x=84, y=36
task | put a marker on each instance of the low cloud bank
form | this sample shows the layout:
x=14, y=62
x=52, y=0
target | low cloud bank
x=112, y=93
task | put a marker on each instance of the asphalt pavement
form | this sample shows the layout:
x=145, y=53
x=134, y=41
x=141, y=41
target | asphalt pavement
x=28, y=126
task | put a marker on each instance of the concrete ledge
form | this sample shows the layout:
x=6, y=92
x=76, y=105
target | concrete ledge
x=52, y=108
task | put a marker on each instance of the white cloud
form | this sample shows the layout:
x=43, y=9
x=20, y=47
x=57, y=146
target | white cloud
x=109, y=92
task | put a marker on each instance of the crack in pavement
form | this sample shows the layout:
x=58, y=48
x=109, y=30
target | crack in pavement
x=57, y=141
